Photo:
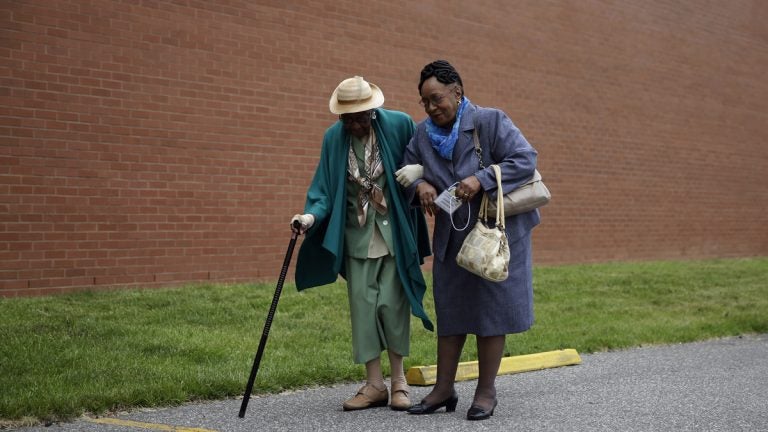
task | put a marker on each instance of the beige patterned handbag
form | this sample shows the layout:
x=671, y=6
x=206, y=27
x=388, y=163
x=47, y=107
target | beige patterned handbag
x=485, y=251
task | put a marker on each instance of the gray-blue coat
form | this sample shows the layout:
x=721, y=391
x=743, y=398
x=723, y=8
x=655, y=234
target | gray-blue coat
x=464, y=303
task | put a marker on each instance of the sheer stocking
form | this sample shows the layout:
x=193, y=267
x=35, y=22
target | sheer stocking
x=489, y=352
x=373, y=374
x=396, y=366
x=448, y=354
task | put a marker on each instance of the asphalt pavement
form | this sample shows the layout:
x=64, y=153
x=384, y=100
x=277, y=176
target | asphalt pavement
x=717, y=385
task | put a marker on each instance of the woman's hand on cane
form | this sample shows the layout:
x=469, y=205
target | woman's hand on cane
x=300, y=223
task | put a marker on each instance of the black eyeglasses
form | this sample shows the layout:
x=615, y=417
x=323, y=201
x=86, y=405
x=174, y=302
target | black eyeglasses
x=436, y=98
x=363, y=118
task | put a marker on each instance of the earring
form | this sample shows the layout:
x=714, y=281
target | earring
x=373, y=115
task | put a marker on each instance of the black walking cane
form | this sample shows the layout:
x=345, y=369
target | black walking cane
x=270, y=315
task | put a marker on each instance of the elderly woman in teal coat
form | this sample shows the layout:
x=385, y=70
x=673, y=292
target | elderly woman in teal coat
x=359, y=225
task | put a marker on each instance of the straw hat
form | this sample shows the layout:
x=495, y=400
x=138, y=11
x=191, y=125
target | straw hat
x=355, y=95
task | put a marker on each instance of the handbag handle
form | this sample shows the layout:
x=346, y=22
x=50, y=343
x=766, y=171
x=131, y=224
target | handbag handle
x=499, y=198
x=499, y=202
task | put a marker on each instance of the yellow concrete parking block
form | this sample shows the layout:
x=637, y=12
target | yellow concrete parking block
x=426, y=375
x=144, y=425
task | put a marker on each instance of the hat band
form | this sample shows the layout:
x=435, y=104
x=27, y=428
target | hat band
x=353, y=101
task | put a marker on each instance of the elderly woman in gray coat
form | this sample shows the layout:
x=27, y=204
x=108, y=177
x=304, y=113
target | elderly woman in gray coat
x=441, y=154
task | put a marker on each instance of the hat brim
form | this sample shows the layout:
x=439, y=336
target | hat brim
x=376, y=100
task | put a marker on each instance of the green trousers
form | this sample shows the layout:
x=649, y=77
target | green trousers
x=381, y=316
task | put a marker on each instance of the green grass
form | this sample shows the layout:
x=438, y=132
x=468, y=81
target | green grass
x=65, y=355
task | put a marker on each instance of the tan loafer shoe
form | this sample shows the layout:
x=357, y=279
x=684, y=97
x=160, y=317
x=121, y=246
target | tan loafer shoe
x=400, y=400
x=367, y=397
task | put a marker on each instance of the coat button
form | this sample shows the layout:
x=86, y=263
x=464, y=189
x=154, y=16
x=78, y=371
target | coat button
x=385, y=223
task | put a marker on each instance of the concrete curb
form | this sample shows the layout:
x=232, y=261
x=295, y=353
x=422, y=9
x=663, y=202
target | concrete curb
x=427, y=375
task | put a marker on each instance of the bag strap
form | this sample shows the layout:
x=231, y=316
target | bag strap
x=499, y=195
x=483, y=214
x=479, y=152
x=499, y=198
x=478, y=149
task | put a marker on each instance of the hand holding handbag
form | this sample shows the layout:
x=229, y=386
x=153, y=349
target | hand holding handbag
x=531, y=195
x=485, y=251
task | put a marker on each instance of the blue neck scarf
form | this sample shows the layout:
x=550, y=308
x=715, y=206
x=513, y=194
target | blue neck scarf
x=443, y=140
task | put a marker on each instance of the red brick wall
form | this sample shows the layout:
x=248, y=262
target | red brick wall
x=151, y=143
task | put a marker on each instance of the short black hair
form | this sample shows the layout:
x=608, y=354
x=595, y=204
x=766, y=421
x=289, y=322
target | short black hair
x=443, y=71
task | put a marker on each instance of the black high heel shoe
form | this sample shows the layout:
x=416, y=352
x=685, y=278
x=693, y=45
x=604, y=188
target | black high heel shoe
x=477, y=413
x=424, y=408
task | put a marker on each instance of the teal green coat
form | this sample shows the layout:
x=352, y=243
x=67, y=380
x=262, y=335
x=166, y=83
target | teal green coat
x=321, y=255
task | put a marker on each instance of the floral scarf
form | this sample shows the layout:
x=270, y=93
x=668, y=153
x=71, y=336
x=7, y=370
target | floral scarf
x=370, y=192
x=443, y=140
